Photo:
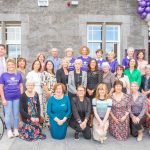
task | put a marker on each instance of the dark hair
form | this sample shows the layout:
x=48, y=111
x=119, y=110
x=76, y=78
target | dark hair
x=34, y=63
x=2, y=45
x=136, y=64
x=142, y=53
x=45, y=67
x=21, y=59
x=118, y=82
x=96, y=67
x=99, y=50
x=60, y=84
x=120, y=66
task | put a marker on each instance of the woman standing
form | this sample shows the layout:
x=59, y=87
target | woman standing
x=108, y=77
x=48, y=82
x=102, y=107
x=62, y=73
x=133, y=73
x=138, y=110
x=94, y=77
x=30, y=114
x=112, y=61
x=81, y=108
x=125, y=80
x=119, y=116
x=58, y=109
x=21, y=68
x=76, y=78
x=35, y=76
x=69, y=58
x=41, y=58
x=141, y=62
x=11, y=88
x=84, y=51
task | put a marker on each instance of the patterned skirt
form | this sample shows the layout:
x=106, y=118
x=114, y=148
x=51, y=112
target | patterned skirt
x=121, y=130
x=31, y=132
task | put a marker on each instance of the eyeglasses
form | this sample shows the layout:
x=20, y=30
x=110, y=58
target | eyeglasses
x=119, y=69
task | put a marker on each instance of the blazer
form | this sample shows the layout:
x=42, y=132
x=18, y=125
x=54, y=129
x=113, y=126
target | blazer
x=61, y=77
x=71, y=81
x=23, y=107
x=78, y=113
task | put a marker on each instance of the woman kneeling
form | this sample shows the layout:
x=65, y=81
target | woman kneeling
x=102, y=107
x=30, y=113
x=81, y=109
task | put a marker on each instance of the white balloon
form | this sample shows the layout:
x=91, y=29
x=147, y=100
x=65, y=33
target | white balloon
x=147, y=17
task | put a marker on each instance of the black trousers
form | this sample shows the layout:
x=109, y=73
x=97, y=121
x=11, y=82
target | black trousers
x=75, y=125
x=136, y=127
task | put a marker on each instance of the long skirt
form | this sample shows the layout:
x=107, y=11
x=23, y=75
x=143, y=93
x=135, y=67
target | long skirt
x=31, y=132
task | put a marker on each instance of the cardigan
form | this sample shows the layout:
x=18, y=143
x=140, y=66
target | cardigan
x=71, y=81
x=24, y=107
x=135, y=76
x=61, y=77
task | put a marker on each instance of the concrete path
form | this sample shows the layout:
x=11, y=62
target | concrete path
x=70, y=144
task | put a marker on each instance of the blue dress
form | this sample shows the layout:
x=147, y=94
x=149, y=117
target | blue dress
x=60, y=109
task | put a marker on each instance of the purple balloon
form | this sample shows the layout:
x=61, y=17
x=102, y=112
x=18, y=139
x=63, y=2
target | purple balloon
x=148, y=3
x=147, y=9
x=144, y=14
x=140, y=10
x=142, y=3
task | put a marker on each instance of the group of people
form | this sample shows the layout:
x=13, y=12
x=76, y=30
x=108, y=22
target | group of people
x=91, y=95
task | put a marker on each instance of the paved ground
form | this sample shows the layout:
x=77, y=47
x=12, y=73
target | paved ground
x=70, y=144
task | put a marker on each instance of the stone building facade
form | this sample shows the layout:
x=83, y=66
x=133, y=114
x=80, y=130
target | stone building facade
x=60, y=25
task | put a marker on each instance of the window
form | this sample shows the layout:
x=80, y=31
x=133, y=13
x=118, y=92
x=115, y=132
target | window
x=103, y=36
x=94, y=38
x=112, y=38
x=13, y=41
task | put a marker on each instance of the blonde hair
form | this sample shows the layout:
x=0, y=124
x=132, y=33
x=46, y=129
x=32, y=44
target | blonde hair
x=102, y=86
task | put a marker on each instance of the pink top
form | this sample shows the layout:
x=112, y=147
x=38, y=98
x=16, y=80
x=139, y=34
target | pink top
x=141, y=66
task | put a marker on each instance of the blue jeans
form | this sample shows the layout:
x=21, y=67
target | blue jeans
x=12, y=109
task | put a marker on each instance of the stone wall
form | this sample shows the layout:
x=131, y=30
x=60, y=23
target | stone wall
x=61, y=26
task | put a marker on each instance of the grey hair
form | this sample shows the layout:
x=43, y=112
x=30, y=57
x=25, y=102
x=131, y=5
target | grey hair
x=135, y=83
x=69, y=49
x=78, y=61
x=130, y=48
x=104, y=64
x=30, y=81
x=147, y=66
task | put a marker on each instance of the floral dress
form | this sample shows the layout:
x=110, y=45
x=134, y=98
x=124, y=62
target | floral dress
x=30, y=131
x=49, y=80
x=121, y=130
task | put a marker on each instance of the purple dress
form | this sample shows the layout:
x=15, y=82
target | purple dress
x=113, y=65
x=99, y=63
x=85, y=62
x=71, y=64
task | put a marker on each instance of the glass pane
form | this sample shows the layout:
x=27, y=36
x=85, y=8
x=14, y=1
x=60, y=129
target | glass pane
x=93, y=47
x=112, y=33
x=111, y=47
x=94, y=33
x=14, y=51
x=97, y=35
x=13, y=34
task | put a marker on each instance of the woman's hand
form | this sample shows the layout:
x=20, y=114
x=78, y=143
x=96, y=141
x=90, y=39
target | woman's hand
x=123, y=119
x=4, y=102
x=83, y=125
x=116, y=120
